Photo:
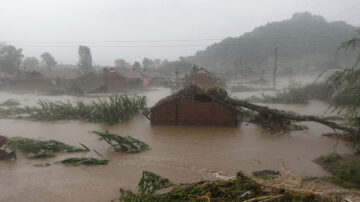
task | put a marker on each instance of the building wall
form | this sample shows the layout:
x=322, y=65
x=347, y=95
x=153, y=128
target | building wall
x=187, y=112
x=201, y=79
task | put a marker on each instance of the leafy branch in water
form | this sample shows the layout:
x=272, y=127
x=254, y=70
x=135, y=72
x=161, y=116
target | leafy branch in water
x=122, y=144
x=42, y=148
x=84, y=161
x=151, y=182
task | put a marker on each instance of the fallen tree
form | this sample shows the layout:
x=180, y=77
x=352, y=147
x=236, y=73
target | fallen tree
x=275, y=115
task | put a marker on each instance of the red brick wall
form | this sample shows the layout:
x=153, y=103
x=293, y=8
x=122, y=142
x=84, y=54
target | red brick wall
x=201, y=79
x=193, y=113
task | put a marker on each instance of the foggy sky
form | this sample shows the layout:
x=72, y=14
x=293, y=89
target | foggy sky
x=109, y=27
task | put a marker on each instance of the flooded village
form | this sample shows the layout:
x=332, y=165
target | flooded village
x=268, y=115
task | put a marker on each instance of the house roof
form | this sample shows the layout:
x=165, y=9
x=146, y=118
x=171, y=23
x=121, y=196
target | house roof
x=128, y=73
x=190, y=91
x=204, y=71
x=62, y=74
x=4, y=75
x=152, y=75
x=32, y=75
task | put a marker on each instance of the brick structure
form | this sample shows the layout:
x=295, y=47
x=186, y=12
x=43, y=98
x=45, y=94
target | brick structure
x=113, y=82
x=192, y=106
x=201, y=77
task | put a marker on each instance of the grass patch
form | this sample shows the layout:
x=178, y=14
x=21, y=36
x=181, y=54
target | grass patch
x=347, y=176
x=122, y=144
x=42, y=148
x=111, y=111
x=329, y=158
x=240, y=189
x=84, y=161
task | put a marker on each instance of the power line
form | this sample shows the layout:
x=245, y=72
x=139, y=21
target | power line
x=182, y=40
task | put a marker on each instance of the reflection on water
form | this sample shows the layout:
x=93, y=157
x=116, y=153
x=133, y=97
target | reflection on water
x=183, y=154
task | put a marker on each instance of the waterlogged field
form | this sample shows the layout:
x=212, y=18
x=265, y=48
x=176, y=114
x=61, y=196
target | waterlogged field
x=181, y=154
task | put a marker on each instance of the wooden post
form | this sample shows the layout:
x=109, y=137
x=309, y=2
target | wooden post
x=275, y=67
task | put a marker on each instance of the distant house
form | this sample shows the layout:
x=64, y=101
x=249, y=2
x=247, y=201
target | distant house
x=32, y=80
x=5, y=76
x=87, y=83
x=121, y=63
x=152, y=78
x=58, y=76
x=201, y=77
x=113, y=82
x=133, y=79
x=193, y=106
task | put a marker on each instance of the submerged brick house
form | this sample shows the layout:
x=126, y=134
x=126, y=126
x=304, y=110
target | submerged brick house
x=193, y=106
x=201, y=77
x=132, y=78
x=113, y=82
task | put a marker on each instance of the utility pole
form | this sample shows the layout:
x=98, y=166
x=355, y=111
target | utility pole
x=275, y=67
x=177, y=82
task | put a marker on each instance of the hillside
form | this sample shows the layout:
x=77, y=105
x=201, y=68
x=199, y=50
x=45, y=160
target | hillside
x=306, y=41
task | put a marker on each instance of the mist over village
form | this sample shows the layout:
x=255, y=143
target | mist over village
x=179, y=100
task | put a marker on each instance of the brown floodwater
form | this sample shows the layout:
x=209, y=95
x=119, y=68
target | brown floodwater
x=182, y=154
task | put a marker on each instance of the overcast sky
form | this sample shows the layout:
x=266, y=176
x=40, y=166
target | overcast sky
x=133, y=29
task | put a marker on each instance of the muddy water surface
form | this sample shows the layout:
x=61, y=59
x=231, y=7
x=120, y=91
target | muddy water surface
x=182, y=154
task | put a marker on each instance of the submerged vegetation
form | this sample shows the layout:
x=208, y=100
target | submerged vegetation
x=241, y=188
x=345, y=169
x=347, y=176
x=84, y=161
x=111, y=111
x=42, y=148
x=122, y=144
x=298, y=95
x=9, y=103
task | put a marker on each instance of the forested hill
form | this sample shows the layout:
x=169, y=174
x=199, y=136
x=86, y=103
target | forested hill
x=304, y=40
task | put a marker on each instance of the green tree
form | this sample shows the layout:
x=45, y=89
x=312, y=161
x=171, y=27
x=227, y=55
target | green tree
x=147, y=63
x=31, y=63
x=136, y=66
x=347, y=85
x=10, y=58
x=48, y=60
x=85, y=59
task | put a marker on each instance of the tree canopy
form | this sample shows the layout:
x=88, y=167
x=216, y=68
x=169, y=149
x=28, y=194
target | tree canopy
x=85, y=59
x=10, y=58
x=31, y=63
x=347, y=85
x=48, y=60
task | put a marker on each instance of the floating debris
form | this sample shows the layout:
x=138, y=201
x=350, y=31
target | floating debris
x=7, y=149
x=84, y=161
x=43, y=148
x=42, y=165
x=111, y=111
x=240, y=189
x=122, y=144
x=266, y=174
x=151, y=182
